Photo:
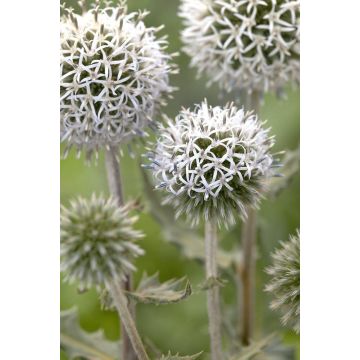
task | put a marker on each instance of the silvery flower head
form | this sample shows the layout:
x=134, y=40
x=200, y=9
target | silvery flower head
x=212, y=162
x=251, y=45
x=98, y=242
x=285, y=281
x=114, y=77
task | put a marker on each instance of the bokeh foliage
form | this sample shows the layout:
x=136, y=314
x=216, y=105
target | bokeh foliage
x=182, y=327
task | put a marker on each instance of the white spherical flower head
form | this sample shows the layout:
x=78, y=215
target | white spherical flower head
x=98, y=242
x=114, y=76
x=213, y=162
x=285, y=281
x=251, y=45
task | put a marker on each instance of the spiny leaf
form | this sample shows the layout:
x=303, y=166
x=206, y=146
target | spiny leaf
x=291, y=165
x=277, y=351
x=78, y=343
x=153, y=351
x=151, y=291
x=211, y=282
x=106, y=300
x=268, y=348
x=255, y=348
x=178, y=357
x=178, y=233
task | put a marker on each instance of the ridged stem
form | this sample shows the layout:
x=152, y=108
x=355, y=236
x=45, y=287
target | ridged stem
x=248, y=277
x=121, y=305
x=213, y=294
x=249, y=252
x=116, y=189
x=114, y=175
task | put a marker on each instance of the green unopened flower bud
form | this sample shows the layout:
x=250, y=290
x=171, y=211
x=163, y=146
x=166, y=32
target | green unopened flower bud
x=98, y=242
x=285, y=281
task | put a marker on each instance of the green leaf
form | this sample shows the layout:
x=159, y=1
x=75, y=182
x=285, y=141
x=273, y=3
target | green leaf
x=106, y=300
x=178, y=357
x=178, y=233
x=255, y=348
x=268, y=348
x=151, y=291
x=291, y=166
x=276, y=350
x=78, y=343
x=211, y=282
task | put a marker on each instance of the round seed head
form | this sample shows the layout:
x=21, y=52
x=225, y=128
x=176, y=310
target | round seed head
x=98, y=242
x=285, y=281
x=114, y=77
x=212, y=162
x=243, y=44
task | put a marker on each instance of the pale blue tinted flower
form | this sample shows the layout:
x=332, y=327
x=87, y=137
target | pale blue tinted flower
x=243, y=44
x=114, y=77
x=212, y=162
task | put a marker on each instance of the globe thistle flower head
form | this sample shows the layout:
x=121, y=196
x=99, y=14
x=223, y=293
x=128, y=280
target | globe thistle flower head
x=251, y=45
x=285, y=281
x=114, y=77
x=98, y=242
x=212, y=162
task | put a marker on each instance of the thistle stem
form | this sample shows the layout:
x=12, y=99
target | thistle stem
x=249, y=249
x=114, y=175
x=213, y=294
x=115, y=185
x=121, y=304
x=248, y=277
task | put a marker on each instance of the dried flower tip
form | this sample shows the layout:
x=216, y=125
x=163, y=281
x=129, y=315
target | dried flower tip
x=243, y=44
x=114, y=77
x=212, y=162
x=285, y=281
x=98, y=242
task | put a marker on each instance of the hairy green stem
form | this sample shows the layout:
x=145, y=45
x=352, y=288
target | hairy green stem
x=115, y=185
x=238, y=281
x=114, y=175
x=213, y=294
x=249, y=252
x=121, y=304
x=248, y=277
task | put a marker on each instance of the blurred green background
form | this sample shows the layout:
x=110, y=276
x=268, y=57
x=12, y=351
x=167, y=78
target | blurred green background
x=183, y=327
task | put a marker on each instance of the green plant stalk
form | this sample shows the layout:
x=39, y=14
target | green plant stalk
x=238, y=281
x=116, y=189
x=213, y=294
x=114, y=175
x=248, y=277
x=249, y=254
x=121, y=305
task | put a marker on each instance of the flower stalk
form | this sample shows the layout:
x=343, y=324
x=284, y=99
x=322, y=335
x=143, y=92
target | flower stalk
x=249, y=253
x=127, y=321
x=248, y=277
x=114, y=174
x=213, y=293
x=112, y=163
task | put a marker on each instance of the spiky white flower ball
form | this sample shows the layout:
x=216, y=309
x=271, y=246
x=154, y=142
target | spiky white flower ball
x=212, y=162
x=285, y=281
x=114, y=76
x=98, y=242
x=243, y=44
